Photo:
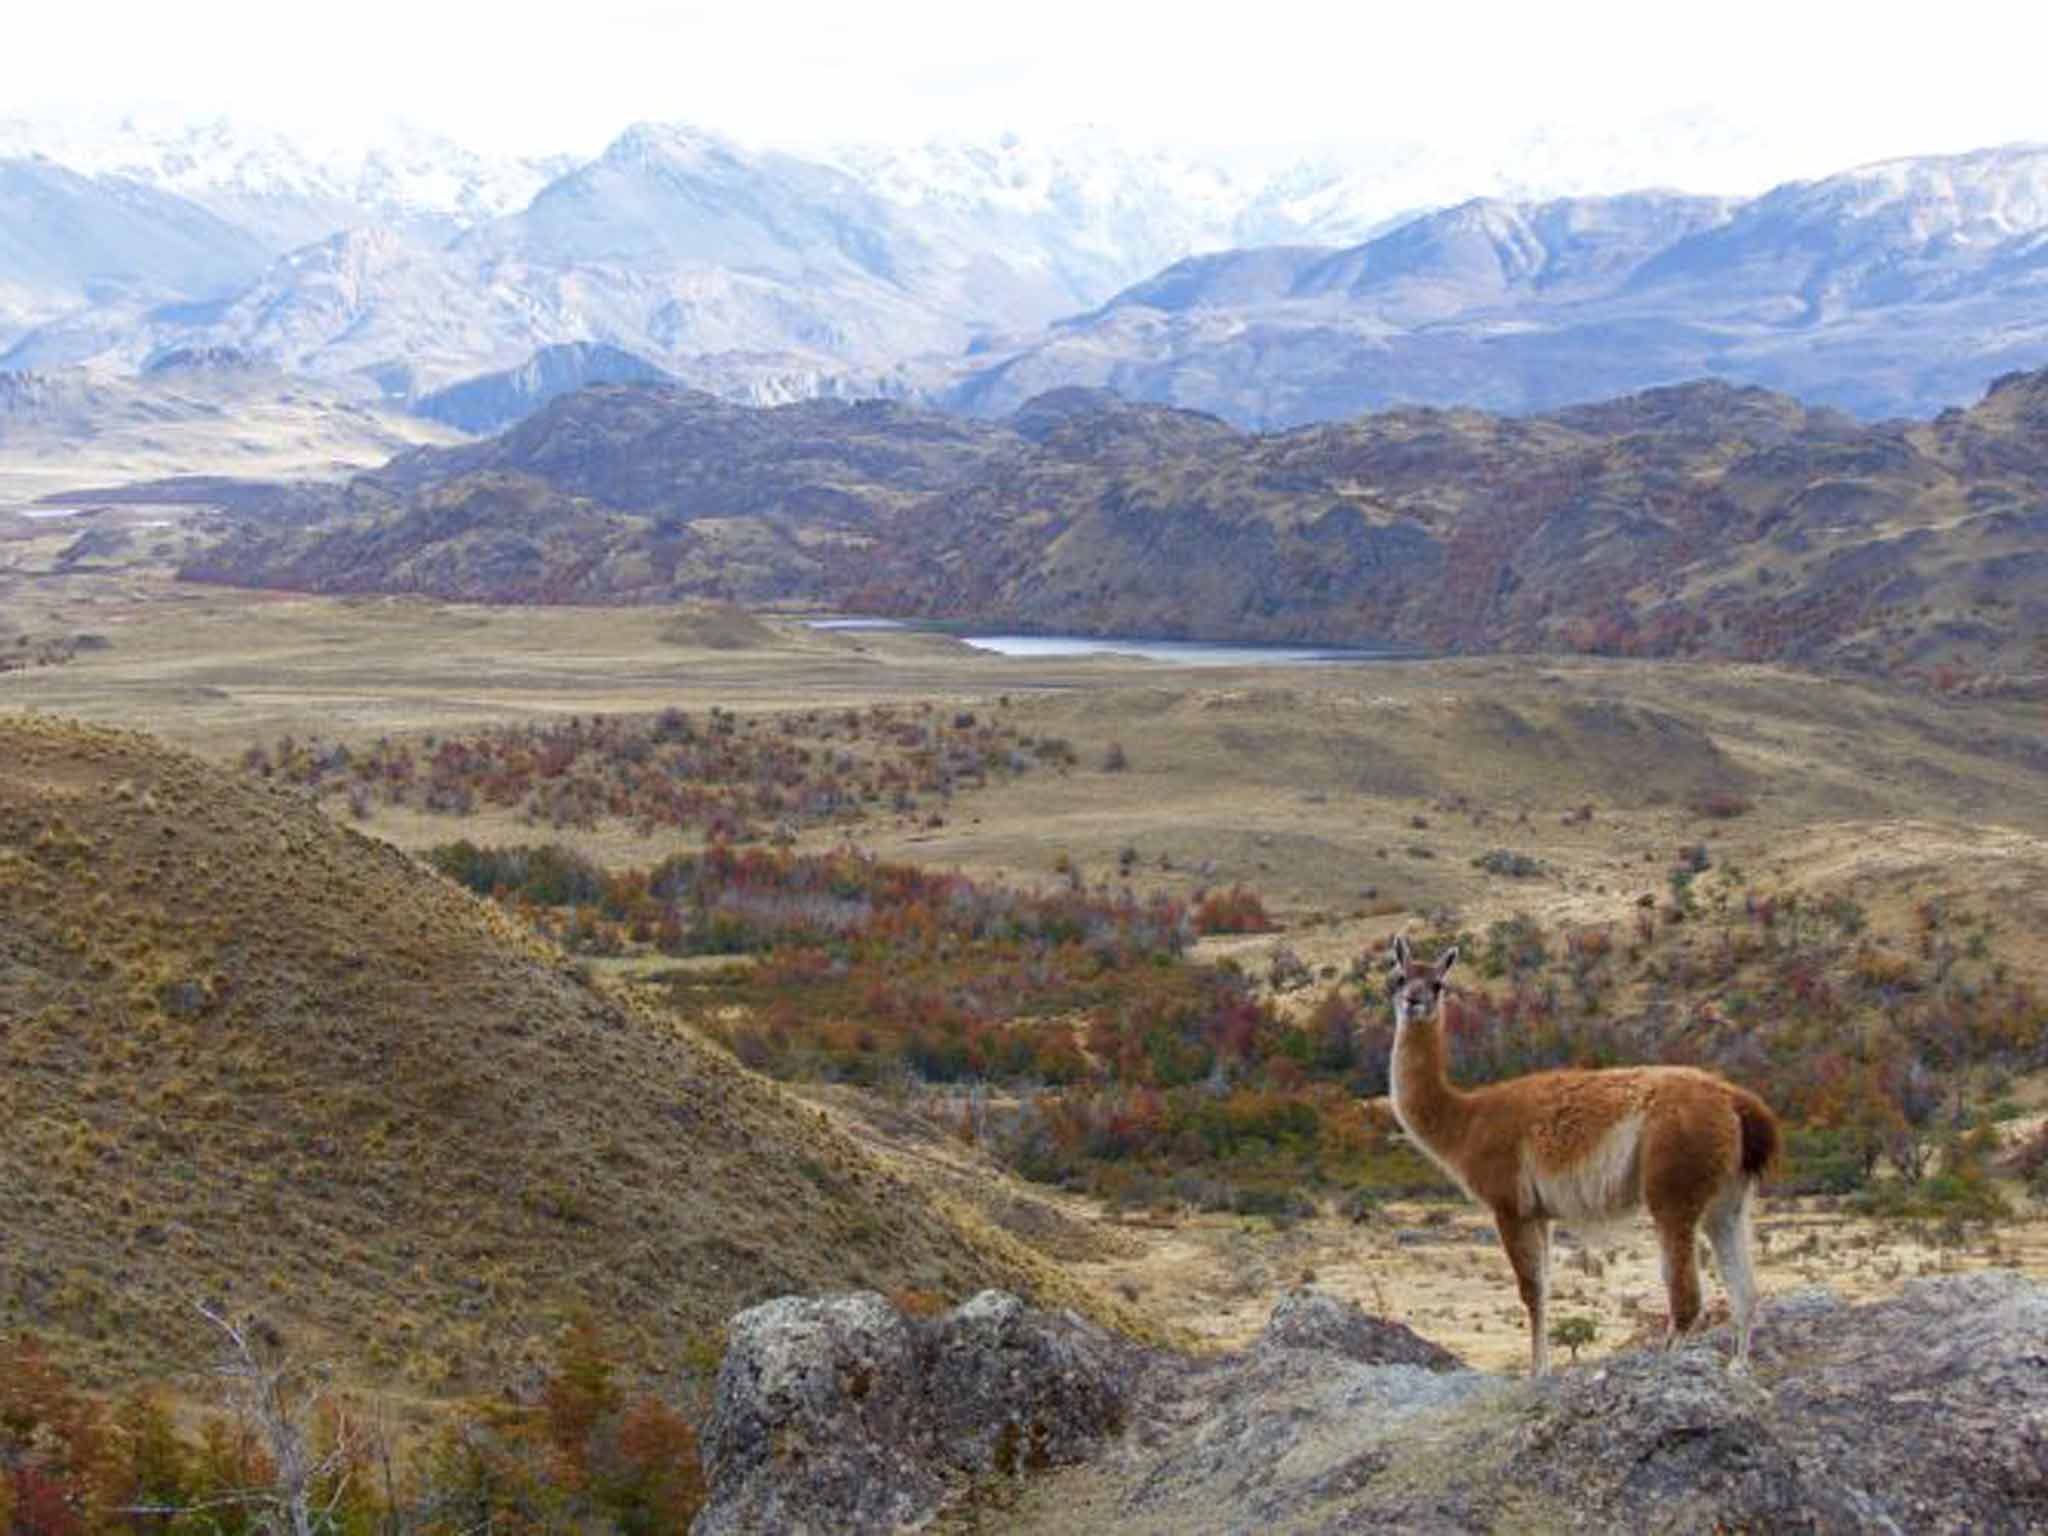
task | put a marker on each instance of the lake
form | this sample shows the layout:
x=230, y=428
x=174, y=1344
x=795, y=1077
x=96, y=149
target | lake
x=1180, y=653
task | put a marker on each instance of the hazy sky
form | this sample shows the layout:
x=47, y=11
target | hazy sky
x=1724, y=95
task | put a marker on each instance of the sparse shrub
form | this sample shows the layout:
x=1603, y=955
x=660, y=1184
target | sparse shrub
x=1514, y=946
x=1237, y=910
x=1286, y=971
x=1114, y=759
x=1846, y=913
x=913, y=1302
x=1574, y=1333
x=722, y=777
x=1821, y=1160
x=580, y=1453
x=1358, y=1206
x=1504, y=861
x=1721, y=805
x=1281, y=1205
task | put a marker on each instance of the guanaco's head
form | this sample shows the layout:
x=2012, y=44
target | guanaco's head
x=1418, y=989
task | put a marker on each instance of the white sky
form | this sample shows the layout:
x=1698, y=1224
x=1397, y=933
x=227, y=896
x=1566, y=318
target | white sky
x=1715, y=96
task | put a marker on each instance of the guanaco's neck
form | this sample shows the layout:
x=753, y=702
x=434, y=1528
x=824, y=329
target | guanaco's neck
x=1430, y=1108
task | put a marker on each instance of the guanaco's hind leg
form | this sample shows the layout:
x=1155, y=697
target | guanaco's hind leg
x=1527, y=1241
x=1680, y=1158
x=1681, y=1273
x=1729, y=1230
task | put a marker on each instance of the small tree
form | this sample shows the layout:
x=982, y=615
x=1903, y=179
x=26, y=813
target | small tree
x=1573, y=1333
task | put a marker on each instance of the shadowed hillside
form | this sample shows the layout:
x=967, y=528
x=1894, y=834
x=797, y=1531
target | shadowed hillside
x=624, y=493
x=253, y=1057
x=1698, y=520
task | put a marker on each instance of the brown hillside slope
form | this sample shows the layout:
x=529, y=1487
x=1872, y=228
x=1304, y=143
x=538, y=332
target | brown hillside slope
x=250, y=1056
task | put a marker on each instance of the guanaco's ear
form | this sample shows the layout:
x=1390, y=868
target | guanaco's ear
x=1445, y=961
x=1402, y=956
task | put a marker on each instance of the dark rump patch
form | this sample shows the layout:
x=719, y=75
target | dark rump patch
x=1759, y=1134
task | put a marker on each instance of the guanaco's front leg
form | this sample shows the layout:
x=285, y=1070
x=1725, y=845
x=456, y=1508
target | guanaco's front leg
x=1527, y=1241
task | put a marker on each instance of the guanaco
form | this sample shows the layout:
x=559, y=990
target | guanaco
x=1588, y=1148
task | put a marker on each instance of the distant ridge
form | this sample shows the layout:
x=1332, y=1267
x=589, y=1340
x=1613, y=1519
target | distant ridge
x=1701, y=518
x=493, y=401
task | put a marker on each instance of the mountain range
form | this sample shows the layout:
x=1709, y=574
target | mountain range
x=1890, y=289
x=1703, y=519
x=755, y=272
x=978, y=275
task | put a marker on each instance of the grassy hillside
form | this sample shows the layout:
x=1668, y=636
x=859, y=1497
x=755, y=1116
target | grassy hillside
x=1697, y=520
x=250, y=1056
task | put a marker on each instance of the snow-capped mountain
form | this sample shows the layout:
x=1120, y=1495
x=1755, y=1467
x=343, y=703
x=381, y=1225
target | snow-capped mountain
x=1893, y=288
x=116, y=237
x=289, y=190
x=365, y=301
x=1901, y=231
x=987, y=271
x=69, y=242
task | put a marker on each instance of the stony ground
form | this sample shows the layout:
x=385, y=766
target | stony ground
x=1928, y=1412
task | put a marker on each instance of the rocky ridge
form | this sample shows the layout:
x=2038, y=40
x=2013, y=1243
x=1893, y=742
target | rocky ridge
x=1927, y=1412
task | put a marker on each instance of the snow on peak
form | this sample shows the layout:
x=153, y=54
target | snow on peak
x=679, y=144
x=395, y=171
x=1985, y=195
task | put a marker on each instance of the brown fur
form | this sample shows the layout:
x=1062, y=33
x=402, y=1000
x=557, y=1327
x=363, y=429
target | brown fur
x=1587, y=1147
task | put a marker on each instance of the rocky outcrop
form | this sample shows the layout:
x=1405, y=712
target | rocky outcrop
x=1928, y=1412
x=840, y=1414
x=1308, y=1320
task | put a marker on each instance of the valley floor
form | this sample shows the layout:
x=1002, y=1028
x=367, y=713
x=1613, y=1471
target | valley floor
x=1356, y=799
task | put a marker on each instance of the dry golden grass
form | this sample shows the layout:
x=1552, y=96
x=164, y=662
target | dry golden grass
x=251, y=1056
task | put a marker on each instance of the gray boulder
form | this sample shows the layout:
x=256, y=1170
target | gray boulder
x=1008, y=1389
x=1306, y=1319
x=839, y=1414
x=817, y=1421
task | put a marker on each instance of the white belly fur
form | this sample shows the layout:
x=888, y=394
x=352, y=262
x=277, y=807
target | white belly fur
x=1597, y=1191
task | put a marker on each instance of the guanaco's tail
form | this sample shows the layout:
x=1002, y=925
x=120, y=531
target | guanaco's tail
x=1759, y=1133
